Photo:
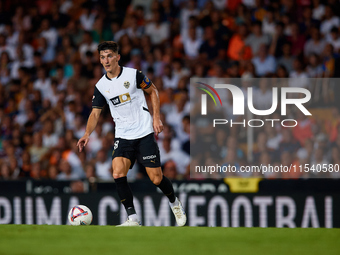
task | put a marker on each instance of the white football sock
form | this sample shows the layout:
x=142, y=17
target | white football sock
x=175, y=203
x=133, y=217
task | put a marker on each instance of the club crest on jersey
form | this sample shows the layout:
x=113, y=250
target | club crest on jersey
x=126, y=84
x=121, y=99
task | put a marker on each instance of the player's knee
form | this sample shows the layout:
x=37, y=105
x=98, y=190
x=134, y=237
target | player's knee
x=156, y=179
x=118, y=174
x=120, y=167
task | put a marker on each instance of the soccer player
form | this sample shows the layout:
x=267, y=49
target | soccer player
x=122, y=89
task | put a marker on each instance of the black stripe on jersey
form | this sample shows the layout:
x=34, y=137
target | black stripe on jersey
x=120, y=73
x=107, y=77
x=139, y=78
x=146, y=109
x=98, y=100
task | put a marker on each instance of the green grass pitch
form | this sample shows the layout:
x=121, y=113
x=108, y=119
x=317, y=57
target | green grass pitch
x=92, y=240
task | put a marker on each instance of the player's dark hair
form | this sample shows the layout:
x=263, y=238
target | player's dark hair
x=108, y=45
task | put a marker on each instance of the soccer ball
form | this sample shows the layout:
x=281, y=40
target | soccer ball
x=80, y=215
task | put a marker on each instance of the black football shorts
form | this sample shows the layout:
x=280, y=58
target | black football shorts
x=144, y=149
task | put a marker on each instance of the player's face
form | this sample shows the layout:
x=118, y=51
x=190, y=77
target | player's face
x=109, y=60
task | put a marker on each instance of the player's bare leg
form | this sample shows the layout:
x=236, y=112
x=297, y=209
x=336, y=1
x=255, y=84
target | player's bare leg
x=156, y=176
x=120, y=166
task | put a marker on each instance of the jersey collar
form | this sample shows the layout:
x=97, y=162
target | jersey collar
x=121, y=70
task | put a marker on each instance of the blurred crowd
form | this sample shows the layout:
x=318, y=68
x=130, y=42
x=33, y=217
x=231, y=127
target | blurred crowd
x=49, y=65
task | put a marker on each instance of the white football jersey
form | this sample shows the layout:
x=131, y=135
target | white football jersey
x=127, y=103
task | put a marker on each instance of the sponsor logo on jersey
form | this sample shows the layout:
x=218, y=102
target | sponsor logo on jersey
x=126, y=84
x=121, y=99
x=149, y=157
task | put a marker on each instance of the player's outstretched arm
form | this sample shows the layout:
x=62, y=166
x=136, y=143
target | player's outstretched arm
x=157, y=123
x=91, y=125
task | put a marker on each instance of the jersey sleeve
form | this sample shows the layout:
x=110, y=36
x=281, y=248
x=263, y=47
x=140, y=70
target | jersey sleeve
x=143, y=82
x=98, y=100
